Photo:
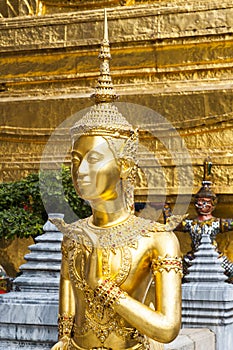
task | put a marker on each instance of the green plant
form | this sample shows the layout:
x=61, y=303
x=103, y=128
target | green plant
x=22, y=208
x=19, y=222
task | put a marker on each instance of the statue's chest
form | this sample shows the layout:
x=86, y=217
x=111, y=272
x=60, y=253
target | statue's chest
x=119, y=264
x=121, y=250
x=109, y=264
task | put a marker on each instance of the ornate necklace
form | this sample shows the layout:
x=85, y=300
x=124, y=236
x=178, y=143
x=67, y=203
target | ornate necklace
x=118, y=236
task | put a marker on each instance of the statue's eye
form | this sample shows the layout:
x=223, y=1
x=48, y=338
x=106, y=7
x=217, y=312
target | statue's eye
x=94, y=157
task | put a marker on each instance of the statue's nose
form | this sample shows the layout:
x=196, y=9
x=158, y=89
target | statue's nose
x=83, y=167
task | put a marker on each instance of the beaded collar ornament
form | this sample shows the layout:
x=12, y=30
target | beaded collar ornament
x=126, y=233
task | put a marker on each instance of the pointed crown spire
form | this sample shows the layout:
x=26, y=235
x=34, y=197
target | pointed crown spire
x=206, y=190
x=104, y=91
x=104, y=118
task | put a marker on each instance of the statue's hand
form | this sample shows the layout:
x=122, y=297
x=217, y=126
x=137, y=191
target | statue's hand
x=62, y=344
x=93, y=267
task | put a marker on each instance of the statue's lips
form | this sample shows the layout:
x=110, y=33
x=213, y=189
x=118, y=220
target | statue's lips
x=203, y=206
x=84, y=183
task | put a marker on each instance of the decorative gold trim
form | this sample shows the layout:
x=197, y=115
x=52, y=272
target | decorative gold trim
x=167, y=264
x=125, y=234
x=109, y=293
x=73, y=346
x=65, y=325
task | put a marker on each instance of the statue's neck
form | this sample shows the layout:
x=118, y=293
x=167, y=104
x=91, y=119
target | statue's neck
x=109, y=213
x=101, y=219
x=204, y=217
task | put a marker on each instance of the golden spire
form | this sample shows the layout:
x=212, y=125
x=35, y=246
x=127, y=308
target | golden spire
x=207, y=170
x=104, y=91
x=206, y=190
x=104, y=118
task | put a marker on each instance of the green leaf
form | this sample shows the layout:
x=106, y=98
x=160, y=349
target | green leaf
x=22, y=211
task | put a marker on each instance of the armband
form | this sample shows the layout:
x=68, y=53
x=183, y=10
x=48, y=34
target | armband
x=167, y=264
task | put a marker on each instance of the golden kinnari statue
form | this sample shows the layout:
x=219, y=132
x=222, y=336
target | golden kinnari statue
x=110, y=259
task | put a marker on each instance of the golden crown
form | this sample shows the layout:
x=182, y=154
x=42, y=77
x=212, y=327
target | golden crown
x=206, y=190
x=104, y=117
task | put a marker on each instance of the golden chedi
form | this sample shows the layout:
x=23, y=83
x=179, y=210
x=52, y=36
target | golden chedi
x=111, y=258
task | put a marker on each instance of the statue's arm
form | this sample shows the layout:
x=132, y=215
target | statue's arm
x=163, y=323
x=66, y=297
x=66, y=303
x=226, y=225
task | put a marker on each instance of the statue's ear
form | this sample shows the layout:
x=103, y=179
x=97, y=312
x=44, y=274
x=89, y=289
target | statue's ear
x=126, y=168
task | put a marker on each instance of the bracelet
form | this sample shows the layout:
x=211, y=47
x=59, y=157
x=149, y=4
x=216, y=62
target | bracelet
x=109, y=293
x=65, y=325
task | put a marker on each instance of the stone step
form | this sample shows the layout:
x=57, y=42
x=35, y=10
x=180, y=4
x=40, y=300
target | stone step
x=49, y=237
x=43, y=256
x=29, y=319
x=42, y=266
x=56, y=247
x=191, y=339
x=36, y=284
x=41, y=272
x=41, y=275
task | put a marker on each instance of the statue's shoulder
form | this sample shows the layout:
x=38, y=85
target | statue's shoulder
x=164, y=240
x=144, y=226
x=177, y=221
x=155, y=226
x=69, y=230
x=170, y=225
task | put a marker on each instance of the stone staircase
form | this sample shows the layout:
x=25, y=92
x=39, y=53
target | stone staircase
x=29, y=313
x=43, y=263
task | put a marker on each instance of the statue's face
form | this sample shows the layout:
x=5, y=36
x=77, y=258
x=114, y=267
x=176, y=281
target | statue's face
x=95, y=172
x=204, y=206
